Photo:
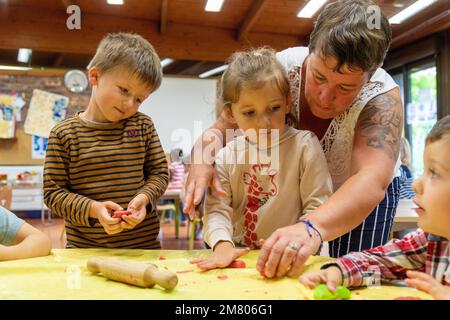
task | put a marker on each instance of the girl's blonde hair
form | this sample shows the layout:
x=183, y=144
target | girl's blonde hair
x=405, y=152
x=251, y=70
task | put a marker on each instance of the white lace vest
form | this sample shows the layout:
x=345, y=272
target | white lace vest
x=337, y=143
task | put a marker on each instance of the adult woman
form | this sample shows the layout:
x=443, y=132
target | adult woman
x=354, y=107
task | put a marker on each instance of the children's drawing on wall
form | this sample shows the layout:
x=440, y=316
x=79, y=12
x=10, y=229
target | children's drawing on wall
x=38, y=147
x=10, y=107
x=46, y=109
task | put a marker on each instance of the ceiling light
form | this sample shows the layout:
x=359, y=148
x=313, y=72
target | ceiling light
x=213, y=71
x=115, y=2
x=165, y=62
x=214, y=5
x=24, y=55
x=14, y=68
x=410, y=11
x=311, y=8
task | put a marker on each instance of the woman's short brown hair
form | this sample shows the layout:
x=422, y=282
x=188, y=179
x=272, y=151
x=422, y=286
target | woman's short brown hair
x=344, y=30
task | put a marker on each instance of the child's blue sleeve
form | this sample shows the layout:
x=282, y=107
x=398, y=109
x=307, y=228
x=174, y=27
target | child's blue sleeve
x=9, y=226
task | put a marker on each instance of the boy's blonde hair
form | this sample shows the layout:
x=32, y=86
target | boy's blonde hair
x=132, y=52
x=439, y=130
x=251, y=70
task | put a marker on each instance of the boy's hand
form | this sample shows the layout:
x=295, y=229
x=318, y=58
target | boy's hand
x=427, y=283
x=332, y=276
x=137, y=206
x=102, y=211
x=224, y=253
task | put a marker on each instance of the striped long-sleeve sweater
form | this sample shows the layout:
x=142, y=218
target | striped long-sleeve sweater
x=104, y=162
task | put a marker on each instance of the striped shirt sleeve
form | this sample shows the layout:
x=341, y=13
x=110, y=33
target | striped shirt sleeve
x=156, y=168
x=384, y=263
x=57, y=197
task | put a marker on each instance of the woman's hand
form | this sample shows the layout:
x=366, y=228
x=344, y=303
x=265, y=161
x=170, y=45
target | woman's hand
x=286, y=250
x=199, y=178
x=223, y=255
x=427, y=283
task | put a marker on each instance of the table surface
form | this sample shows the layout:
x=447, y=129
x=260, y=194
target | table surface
x=404, y=212
x=63, y=275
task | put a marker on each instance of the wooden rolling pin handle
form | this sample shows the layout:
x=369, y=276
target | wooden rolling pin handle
x=165, y=279
x=131, y=272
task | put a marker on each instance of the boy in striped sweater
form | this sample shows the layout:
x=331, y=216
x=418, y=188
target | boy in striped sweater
x=421, y=257
x=109, y=157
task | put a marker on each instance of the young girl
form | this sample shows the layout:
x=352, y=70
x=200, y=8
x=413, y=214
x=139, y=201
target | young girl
x=261, y=194
x=421, y=257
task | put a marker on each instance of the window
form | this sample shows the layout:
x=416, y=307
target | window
x=418, y=87
x=421, y=111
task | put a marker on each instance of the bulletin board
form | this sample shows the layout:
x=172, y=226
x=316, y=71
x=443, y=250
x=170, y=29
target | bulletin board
x=18, y=150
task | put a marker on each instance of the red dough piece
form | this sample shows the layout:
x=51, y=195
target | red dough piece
x=184, y=271
x=237, y=264
x=120, y=213
x=162, y=258
x=224, y=277
x=407, y=298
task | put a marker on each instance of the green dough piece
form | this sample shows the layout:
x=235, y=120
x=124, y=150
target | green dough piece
x=342, y=293
x=321, y=292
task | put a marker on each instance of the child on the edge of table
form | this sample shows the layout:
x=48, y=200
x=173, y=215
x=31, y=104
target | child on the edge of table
x=262, y=195
x=109, y=156
x=421, y=257
x=20, y=240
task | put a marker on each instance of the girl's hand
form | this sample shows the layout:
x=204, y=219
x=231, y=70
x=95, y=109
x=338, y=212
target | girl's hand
x=223, y=255
x=137, y=206
x=331, y=276
x=427, y=283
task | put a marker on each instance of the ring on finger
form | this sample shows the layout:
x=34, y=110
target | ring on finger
x=293, y=246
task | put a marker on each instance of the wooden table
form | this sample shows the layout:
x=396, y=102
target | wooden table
x=63, y=275
x=405, y=217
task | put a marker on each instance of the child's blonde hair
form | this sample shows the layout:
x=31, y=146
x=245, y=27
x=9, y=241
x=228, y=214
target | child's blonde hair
x=132, y=52
x=439, y=130
x=251, y=70
x=405, y=152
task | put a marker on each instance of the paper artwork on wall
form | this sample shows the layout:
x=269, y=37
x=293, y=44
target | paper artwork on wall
x=38, y=147
x=10, y=106
x=46, y=109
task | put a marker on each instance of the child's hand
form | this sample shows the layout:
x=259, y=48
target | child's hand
x=332, y=276
x=427, y=283
x=137, y=206
x=224, y=253
x=102, y=211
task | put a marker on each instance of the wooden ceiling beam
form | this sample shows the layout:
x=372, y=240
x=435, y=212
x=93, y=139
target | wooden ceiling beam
x=58, y=60
x=436, y=24
x=45, y=30
x=163, y=19
x=252, y=16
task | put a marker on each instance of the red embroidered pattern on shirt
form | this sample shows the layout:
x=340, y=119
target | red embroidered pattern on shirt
x=261, y=187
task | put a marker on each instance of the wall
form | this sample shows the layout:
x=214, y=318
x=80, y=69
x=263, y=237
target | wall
x=17, y=151
x=181, y=109
x=175, y=108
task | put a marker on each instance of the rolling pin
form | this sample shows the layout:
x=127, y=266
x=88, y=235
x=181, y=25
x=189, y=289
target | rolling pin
x=132, y=272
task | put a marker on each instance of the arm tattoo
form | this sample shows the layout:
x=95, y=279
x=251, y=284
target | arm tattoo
x=381, y=123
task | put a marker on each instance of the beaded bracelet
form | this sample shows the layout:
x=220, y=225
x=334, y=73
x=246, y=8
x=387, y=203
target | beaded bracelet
x=309, y=225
